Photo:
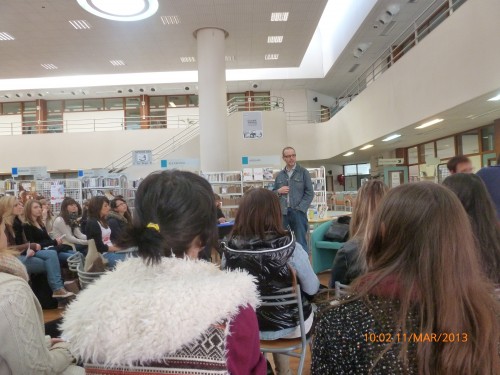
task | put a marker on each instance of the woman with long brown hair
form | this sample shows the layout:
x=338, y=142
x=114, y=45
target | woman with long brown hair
x=259, y=244
x=423, y=307
x=471, y=191
x=348, y=264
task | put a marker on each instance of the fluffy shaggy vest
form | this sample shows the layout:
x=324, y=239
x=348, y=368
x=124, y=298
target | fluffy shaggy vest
x=173, y=315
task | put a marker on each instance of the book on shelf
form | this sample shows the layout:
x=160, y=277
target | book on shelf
x=258, y=174
x=247, y=174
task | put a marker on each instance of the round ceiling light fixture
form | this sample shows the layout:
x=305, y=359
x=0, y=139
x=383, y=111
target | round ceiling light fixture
x=120, y=10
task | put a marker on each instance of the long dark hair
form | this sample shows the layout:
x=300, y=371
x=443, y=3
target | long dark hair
x=258, y=213
x=64, y=213
x=95, y=207
x=182, y=205
x=472, y=192
x=422, y=239
x=114, y=204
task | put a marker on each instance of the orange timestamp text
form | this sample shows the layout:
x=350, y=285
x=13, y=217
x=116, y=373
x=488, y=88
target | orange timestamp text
x=443, y=337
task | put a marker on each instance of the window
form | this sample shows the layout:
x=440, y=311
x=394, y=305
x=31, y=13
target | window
x=54, y=106
x=11, y=108
x=113, y=104
x=488, y=138
x=350, y=170
x=73, y=105
x=176, y=101
x=413, y=155
x=364, y=168
x=193, y=100
x=445, y=148
x=93, y=105
x=426, y=152
x=469, y=143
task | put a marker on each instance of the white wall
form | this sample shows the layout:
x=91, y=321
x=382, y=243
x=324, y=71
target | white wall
x=295, y=100
x=457, y=62
x=77, y=122
x=314, y=108
x=10, y=124
x=62, y=151
x=273, y=141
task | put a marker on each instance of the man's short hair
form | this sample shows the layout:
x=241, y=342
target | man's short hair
x=287, y=148
x=455, y=161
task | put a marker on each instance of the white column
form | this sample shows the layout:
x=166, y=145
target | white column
x=212, y=99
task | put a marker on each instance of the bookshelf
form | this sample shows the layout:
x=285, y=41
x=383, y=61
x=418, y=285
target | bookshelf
x=229, y=186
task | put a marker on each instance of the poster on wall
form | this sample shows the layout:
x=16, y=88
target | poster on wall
x=252, y=125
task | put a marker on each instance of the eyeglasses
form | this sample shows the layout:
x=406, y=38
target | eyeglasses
x=121, y=204
x=289, y=156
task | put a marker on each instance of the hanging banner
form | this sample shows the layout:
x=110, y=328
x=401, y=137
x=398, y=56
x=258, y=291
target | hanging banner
x=56, y=193
x=252, y=125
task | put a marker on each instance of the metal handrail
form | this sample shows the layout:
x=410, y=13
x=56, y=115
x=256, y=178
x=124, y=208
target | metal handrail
x=310, y=117
x=172, y=144
x=412, y=35
x=255, y=103
x=93, y=125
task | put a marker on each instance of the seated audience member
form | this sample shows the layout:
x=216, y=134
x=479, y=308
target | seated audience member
x=491, y=178
x=208, y=332
x=25, y=349
x=260, y=245
x=36, y=260
x=84, y=215
x=66, y=226
x=119, y=218
x=220, y=215
x=99, y=230
x=423, y=307
x=349, y=263
x=460, y=164
x=47, y=216
x=471, y=191
x=35, y=231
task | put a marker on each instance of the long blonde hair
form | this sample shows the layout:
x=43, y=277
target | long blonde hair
x=421, y=237
x=6, y=211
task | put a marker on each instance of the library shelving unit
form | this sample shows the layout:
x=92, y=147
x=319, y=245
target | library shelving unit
x=229, y=186
x=319, y=185
x=10, y=187
x=70, y=188
x=107, y=186
x=232, y=185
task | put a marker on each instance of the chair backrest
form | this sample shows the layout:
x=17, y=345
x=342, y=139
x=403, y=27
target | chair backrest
x=341, y=289
x=74, y=261
x=288, y=297
x=86, y=278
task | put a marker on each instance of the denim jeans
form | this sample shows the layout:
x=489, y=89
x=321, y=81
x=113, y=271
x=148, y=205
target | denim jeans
x=64, y=255
x=297, y=221
x=45, y=261
x=113, y=258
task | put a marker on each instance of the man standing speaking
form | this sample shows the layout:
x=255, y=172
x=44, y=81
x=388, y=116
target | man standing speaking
x=295, y=191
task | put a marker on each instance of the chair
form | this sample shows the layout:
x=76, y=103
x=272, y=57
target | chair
x=87, y=278
x=292, y=347
x=341, y=289
x=74, y=261
x=323, y=252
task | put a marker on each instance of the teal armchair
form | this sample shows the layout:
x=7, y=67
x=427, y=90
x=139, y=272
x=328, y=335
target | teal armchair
x=323, y=252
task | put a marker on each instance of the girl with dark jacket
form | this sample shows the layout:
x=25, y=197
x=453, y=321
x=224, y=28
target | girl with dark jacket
x=259, y=245
x=119, y=218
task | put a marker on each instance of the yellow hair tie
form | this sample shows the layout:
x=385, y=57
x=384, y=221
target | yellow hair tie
x=153, y=226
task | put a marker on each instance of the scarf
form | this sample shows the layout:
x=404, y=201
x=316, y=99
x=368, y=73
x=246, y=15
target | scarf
x=11, y=265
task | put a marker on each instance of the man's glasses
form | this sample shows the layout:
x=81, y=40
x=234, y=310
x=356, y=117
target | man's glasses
x=289, y=156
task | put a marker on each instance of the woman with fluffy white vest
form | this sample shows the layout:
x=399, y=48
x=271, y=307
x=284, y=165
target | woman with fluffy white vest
x=167, y=312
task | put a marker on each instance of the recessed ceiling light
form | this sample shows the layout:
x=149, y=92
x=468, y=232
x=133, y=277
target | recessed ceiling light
x=229, y=58
x=279, y=16
x=494, y=99
x=129, y=10
x=117, y=62
x=366, y=147
x=349, y=153
x=49, y=66
x=170, y=20
x=275, y=39
x=188, y=59
x=391, y=137
x=6, y=36
x=80, y=24
x=429, y=123
x=272, y=56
